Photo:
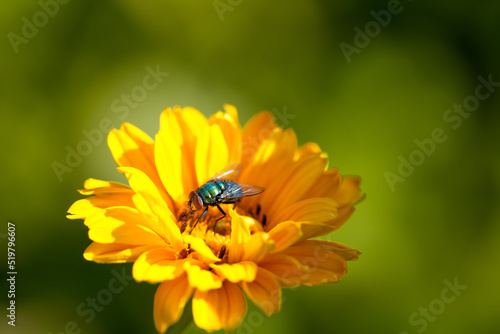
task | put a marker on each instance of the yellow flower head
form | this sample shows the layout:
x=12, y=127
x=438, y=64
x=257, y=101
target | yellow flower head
x=261, y=245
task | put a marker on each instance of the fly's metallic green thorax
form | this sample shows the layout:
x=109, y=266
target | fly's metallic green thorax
x=210, y=191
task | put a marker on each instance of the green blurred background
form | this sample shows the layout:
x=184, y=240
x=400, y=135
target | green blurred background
x=366, y=110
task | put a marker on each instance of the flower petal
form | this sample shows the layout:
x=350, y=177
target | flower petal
x=232, y=113
x=131, y=147
x=314, y=216
x=184, y=124
x=310, y=230
x=344, y=190
x=158, y=265
x=231, y=129
x=308, y=148
x=257, y=129
x=273, y=156
x=343, y=215
x=170, y=300
x=223, y=308
x=348, y=195
x=287, y=269
x=257, y=247
x=122, y=225
x=199, y=245
x=87, y=207
x=316, y=209
x=292, y=183
x=143, y=185
x=237, y=272
x=99, y=187
x=113, y=253
x=200, y=277
x=168, y=157
x=240, y=233
x=324, y=264
x=264, y=291
x=346, y=252
x=285, y=234
x=211, y=153
x=349, y=192
x=180, y=131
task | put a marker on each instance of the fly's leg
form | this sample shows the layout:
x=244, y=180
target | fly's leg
x=197, y=220
x=185, y=214
x=221, y=211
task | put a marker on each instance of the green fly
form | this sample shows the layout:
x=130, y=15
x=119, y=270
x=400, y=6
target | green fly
x=220, y=189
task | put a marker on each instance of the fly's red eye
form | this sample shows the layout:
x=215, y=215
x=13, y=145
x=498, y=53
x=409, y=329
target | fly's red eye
x=197, y=202
x=191, y=194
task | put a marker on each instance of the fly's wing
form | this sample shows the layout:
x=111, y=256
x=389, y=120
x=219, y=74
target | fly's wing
x=228, y=173
x=249, y=190
x=235, y=191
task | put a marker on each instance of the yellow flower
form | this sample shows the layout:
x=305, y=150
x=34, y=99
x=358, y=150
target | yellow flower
x=262, y=245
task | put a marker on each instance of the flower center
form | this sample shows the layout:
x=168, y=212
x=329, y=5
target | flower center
x=215, y=229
